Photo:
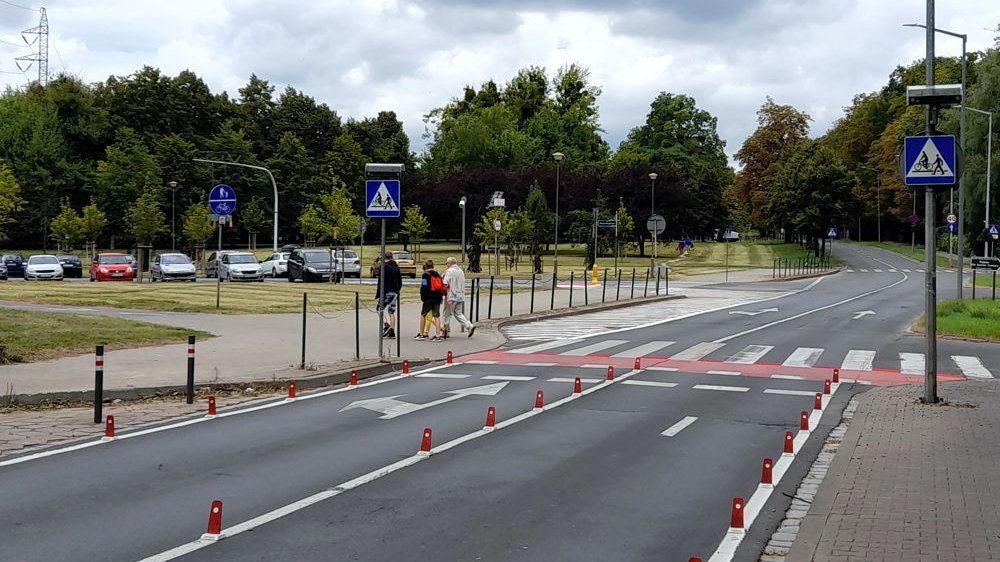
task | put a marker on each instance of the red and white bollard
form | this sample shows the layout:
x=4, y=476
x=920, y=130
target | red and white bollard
x=804, y=421
x=694, y=559
x=826, y=387
x=491, y=418
x=451, y=358
x=636, y=366
x=736, y=520
x=211, y=406
x=109, y=428
x=291, y=390
x=425, y=443
x=789, y=443
x=766, y=473
x=406, y=366
x=836, y=375
x=577, y=386
x=611, y=372
x=214, y=532
x=818, y=402
x=539, y=400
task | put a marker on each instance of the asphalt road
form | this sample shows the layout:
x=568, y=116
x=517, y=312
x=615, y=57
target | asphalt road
x=592, y=479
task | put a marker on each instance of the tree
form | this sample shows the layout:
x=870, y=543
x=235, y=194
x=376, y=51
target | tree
x=415, y=224
x=128, y=172
x=92, y=222
x=10, y=198
x=541, y=225
x=331, y=219
x=198, y=225
x=67, y=227
x=253, y=217
x=145, y=219
x=626, y=223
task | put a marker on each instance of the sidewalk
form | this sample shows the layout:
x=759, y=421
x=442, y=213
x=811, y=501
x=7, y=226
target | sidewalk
x=911, y=482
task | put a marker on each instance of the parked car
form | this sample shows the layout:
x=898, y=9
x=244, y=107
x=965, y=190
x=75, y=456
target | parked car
x=348, y=262
x=172, y=267
x=71, y=266
x=276, y=264
x=111, y=267
x=310, y=264
x=405, y=261
x=43, y=266
x=14, y=264
x=240, y=266
x=3, y=271
x=212, y=263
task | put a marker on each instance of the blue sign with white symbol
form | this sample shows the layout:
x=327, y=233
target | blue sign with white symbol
x=222, y=200
x=930, y=160
x=994, y=231
x=952, y=228
x=831, y=232
x=382, y=198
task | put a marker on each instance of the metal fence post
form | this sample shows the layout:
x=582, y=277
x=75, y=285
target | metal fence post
x=604, y=286
x=973, y=283
x=632, y=296
x=471, y=300
x=552, y=299
x=305, y=302
x=531, y=309
x=479, y=286
x=657, y=280
x=511, y=296
x=98, y=383
x=571, y=289
x=586, y=288
x=645, y=288
x=618, y=284
x=357, y=324
x=489, y=306
x=190, y=371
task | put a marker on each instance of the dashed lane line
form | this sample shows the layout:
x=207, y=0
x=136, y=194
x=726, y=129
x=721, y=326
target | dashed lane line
x=679, y=426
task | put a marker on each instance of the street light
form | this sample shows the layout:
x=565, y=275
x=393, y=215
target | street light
x=652, y=209
x=961, y=133
x=558, y=156
x=173, y=236
x=989, y=167
x=461, y=203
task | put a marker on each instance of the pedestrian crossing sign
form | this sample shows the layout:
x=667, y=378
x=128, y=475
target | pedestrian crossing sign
x=382, y=198
x=831, y=232
x=994, y=231
x=930, y=160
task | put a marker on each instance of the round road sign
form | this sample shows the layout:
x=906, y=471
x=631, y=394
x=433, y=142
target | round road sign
x=952, y=218
x=656, y=223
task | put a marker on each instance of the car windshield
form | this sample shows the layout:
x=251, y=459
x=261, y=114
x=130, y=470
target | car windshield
x=174, y=260
x=12, y=257
x=317, y=256
x=242, y=258
x=113, y=260
x=402, y=256
x=71, y=259
x=42, y=260
x=284, y=256
x=346, y=254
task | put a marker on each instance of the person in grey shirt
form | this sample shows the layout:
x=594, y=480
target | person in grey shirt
x=454, y=304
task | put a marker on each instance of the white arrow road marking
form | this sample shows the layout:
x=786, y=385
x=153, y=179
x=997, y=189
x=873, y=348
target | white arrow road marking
x=749, y=313
x=392, y=408
x=863, y=313
x=679, y=426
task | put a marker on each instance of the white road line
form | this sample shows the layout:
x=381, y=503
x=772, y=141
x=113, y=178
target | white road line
x=593, y=348
x=539, y=364
x=543, y=346
x=892, y=271
x=849, y=271
x=972, y=367
x=567, y=379
x=722, y=388
x=788, y=377
x=679, y=426
x=442, y=376
x=919, y=271
x=644, y=349
x=878, y=271
x=651, y=383
x=858, y=360
x=665, y=369
x=480, y=362
x=697, y=351
x=911, y=363
x=803, y=357
x=508, y=378
x=750, y=354
x=864, y=271
x=906, y=271
x=788, y=392
x=727, y=373
x=593, y=366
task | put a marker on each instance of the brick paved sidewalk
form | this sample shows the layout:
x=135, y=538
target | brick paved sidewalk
x=912, y=482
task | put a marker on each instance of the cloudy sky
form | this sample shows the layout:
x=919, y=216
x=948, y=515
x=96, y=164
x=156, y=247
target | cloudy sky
x=362, y=56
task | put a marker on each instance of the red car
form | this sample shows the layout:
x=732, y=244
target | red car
x=111, y=267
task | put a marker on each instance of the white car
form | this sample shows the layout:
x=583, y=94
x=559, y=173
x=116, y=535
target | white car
x=168, y=267
x=240, y=266
x=348, y=262
x=43, y=266
x=276, y=265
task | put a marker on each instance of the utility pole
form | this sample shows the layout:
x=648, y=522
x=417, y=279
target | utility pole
x=930, y=247
x=42, y=56
x=274, y=185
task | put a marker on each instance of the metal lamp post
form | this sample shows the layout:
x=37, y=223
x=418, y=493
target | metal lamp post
x=274, y=185
x=652, y=211
x=989, y=168
x=461, y=203
x=558, y=156
x=173, y=235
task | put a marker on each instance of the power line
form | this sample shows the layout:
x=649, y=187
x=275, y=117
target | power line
x=58, y=55
x=13, y=44
x=17, y=5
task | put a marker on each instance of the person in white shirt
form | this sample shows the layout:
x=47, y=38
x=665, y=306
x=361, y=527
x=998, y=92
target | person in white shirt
x=454, y=278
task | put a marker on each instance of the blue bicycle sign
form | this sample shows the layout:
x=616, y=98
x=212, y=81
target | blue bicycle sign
x=222, y=200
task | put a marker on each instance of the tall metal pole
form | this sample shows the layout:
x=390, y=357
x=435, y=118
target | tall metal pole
x=381, y=294
x=555, y=259
x=960, y=250
x=930, y=248
x=173, y=222
x=878, y=205
x=274, y=186
x=652, y=209
x=989, y=168
x=218, y=268
x=462, y=203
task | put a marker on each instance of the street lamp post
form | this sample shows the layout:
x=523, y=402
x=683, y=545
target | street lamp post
x=558, y=156
x=989, y=168
x=461, y=203
x=173, y=235
x=652, y=209
x=274, y=185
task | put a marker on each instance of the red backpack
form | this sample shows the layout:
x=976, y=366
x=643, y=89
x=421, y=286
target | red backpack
x=438, y=286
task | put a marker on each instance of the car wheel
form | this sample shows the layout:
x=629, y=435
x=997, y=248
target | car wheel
x=92, y=279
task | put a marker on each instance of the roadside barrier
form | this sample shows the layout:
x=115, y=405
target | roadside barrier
x=818, y=402
x=291, y=390
x=789, y=443
x=354, y=378
x=793, y=267
x=539, y=400
x=736, y=519
x=766, y=473
x=577, y=386
x=826, y=387
x=214, y=531
x=98, y=383
x=804, y=421
x=109, y=428
x=211, y=407
x=425, y=442
x=491, y=419
x=611, y=372
x=190, y=371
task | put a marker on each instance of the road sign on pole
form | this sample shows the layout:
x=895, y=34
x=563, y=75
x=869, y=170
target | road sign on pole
x=831, y=232
x=994, y=231
x=656, y=224
x=952, y=228
x=605, y=224
x=222, y=200
x=382, y=198
x=930, y=160
x=988, y=264
x=952, y=218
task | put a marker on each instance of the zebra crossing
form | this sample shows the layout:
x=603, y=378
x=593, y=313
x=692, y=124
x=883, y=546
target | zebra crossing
x=907, y=363
x=883, y=270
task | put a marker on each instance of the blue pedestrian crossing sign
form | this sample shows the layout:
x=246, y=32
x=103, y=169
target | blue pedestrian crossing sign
x=222, y=200
x=994, y=231
x=930, y=160
x=831, y=232
x=382, y=199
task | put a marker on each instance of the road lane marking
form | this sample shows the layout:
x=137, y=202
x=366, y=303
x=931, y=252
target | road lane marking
x=593, y=348
x=644, y=349
x=803, y=357
x=911, y=363
x=665, y=369
x=651, y=383
x=972, y=367
x=721, y=387
x=442, y=376
x=697, y=351
x=727, y=373
x=480, y=362
x=514, y=378
x=539, y=364
x=788, y=377
x=750, y=354
x=593, y=366
x=567, y=379
x=789, y=392
x=858, y=360
x=679, y=426
x=544, y=346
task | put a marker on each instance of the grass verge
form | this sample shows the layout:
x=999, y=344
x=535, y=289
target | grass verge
x=914, y=253
x=979, y=319
x=28, y=336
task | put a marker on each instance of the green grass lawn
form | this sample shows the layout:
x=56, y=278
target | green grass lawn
x=34, y=336
x=915, y=253
x=978, y=318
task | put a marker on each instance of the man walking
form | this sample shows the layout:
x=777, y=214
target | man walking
x=454, y=278
x=393, y=282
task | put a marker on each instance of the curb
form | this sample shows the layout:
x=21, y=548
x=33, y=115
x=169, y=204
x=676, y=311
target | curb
x=812, y=276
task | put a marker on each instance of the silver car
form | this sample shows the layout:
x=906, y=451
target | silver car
x=43, y=266
x=276, y=265
x=240, y=266
x=348, y=262
x=172, y=267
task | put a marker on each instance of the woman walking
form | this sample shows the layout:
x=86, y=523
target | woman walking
x=432, y=292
